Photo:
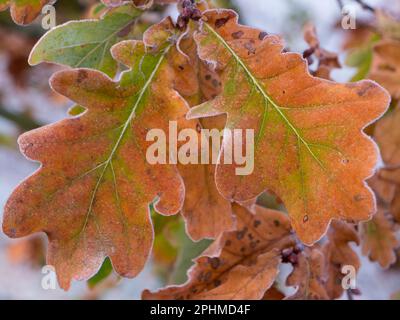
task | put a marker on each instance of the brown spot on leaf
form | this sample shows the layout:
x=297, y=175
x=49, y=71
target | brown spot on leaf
x=237, y=35
x=216, y=83
x=250, y=48
x=256, y=223
x=240, y=234
x=364, y=89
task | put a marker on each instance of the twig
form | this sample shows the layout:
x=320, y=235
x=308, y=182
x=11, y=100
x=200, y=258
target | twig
x=340, y=4
x=23, y=121
x=352, y=292
x=365, y=5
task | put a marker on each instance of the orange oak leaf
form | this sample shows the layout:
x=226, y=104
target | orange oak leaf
x=310, y=149
x=24, y=12
x=241, y=264
x=92, y=192
x=206, y=212
x=309, y=276
x=338, y=253
x=386, y=66
x=378, y=239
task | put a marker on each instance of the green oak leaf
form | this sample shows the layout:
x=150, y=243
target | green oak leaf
x=87, y=43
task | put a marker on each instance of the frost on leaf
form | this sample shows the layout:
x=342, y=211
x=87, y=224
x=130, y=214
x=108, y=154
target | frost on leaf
x=310, y=148
x=92, y=192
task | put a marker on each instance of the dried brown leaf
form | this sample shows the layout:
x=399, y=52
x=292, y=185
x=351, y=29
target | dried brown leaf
x=241, y=264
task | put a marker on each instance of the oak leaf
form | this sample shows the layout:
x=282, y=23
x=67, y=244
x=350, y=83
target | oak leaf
x=241, y=264
x=310, y=149
x=87, y=43
x=92, y=192
x=360, y=57
x=206, y=212
x=338, y=253
x=386, y=66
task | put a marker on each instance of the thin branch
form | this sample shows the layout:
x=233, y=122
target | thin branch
x=340, y=4
x=22, y=120
x=365, y=5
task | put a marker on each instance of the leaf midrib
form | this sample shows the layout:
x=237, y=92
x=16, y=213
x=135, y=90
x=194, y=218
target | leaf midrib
x=107, y=163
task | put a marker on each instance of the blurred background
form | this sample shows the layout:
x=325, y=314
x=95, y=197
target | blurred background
x=26, y=102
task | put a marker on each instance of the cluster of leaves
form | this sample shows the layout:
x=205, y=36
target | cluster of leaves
x=95, y=193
